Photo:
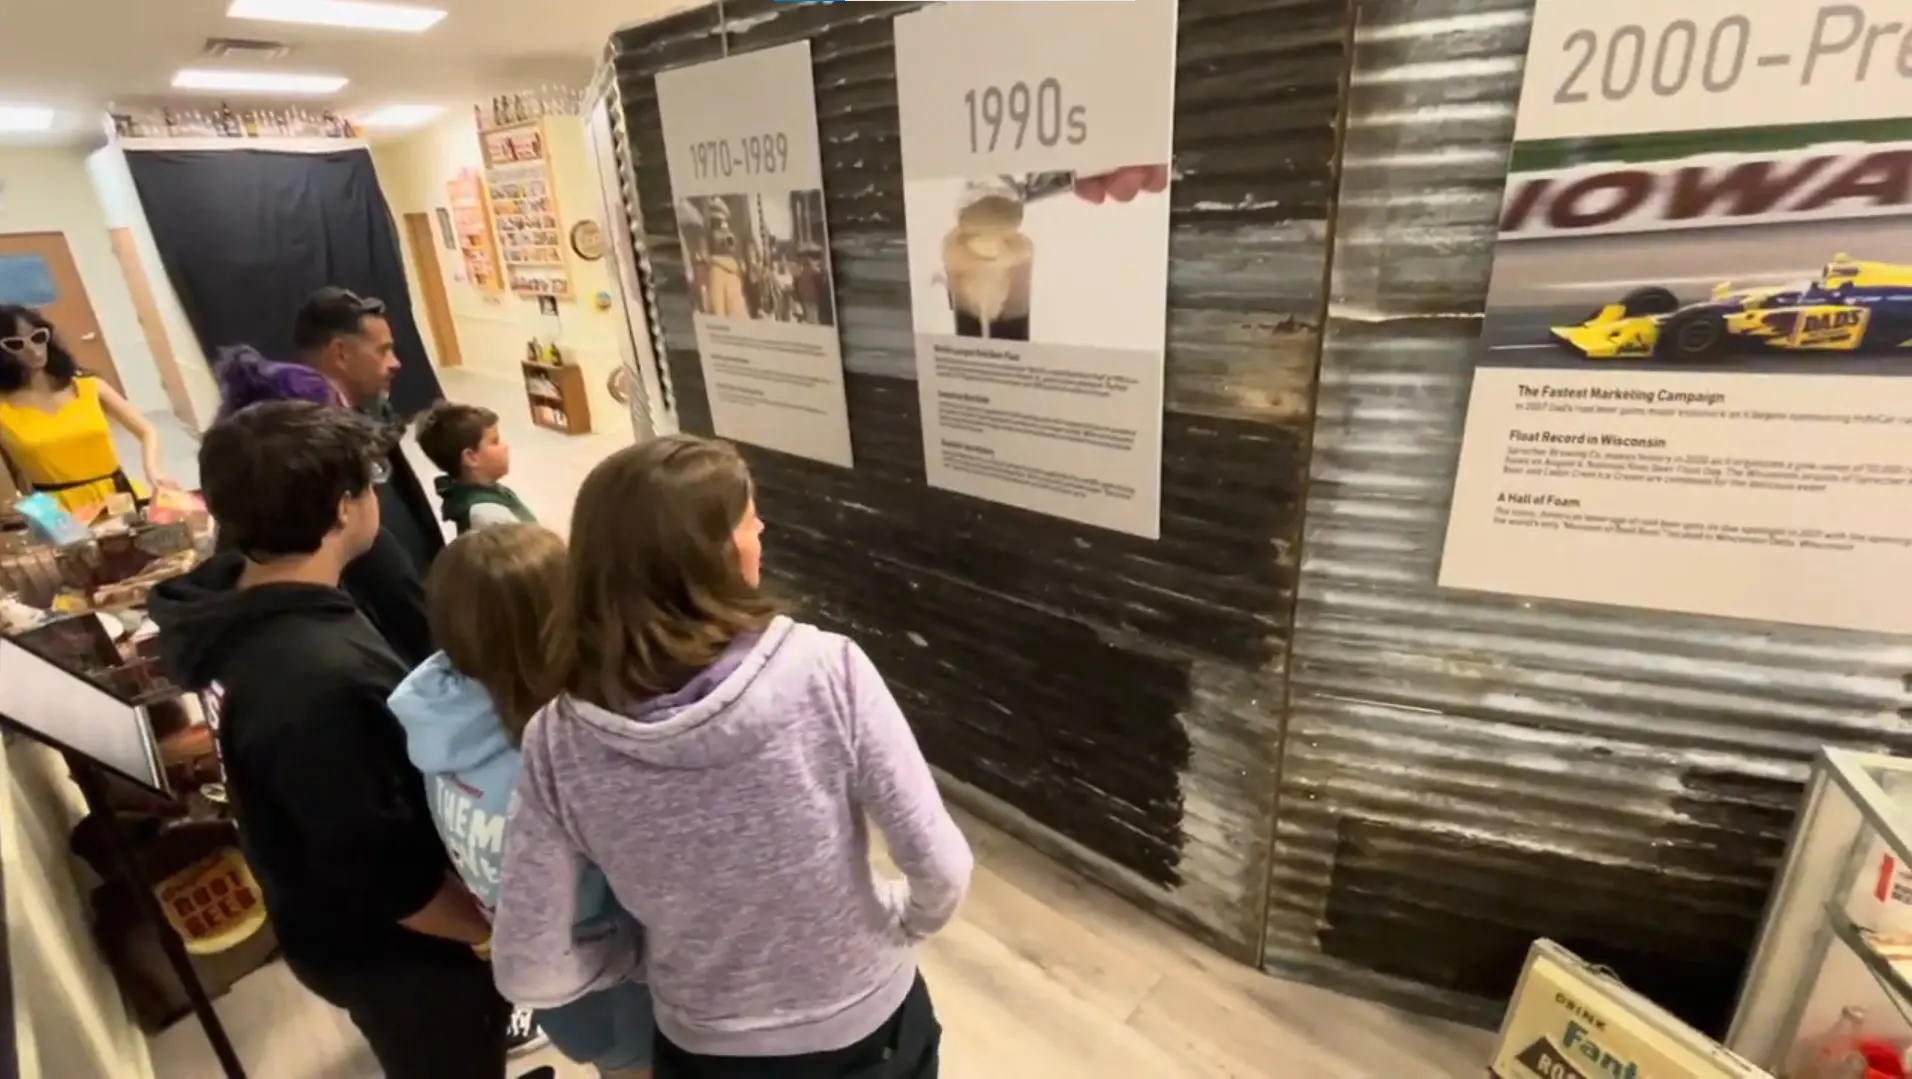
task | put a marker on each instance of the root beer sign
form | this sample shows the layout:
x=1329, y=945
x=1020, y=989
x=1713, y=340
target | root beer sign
x=214, y=904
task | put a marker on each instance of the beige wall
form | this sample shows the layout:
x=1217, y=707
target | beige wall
x=110, y=184
x=492, y=327
x=71, y=1019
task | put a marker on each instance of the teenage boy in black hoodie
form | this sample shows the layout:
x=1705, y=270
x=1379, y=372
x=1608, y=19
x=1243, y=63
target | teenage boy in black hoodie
x=332, y=817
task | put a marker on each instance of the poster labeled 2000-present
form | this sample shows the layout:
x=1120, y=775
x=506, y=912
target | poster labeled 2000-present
x=1694, y=391
x=740, y=140
x=1036, y=143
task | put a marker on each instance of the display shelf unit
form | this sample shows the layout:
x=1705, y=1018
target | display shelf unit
x=523, y=198
x=557, y=397
x=1833, y=963
x=471, y=219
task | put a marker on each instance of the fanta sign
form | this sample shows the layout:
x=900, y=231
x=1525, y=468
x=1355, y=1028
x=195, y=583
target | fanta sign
x=1711, y=191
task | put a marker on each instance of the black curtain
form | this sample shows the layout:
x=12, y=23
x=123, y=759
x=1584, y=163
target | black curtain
x=246, y=235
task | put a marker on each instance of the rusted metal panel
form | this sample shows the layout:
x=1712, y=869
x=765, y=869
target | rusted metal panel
x=1463, y=772
x=1115, y=700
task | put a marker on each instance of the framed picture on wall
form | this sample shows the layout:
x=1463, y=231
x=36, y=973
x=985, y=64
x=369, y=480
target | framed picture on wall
x=446, y=234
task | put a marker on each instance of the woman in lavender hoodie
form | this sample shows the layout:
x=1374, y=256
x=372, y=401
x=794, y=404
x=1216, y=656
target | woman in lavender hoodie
x=719, y=762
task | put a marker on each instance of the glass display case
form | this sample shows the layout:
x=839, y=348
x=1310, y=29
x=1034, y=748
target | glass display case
x=1828, y=994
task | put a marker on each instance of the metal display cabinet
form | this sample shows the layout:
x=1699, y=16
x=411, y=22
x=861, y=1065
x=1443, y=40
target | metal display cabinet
x=1831, y=974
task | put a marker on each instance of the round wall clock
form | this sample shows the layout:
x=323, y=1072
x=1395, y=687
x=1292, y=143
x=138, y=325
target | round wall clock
x=587, y=239
x=619, y=385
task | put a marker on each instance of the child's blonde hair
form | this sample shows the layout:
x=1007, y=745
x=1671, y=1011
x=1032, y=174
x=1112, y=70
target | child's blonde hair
x=490, y=598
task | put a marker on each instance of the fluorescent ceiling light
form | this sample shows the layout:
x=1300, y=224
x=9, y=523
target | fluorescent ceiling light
x=16, y=118
x=256, y=82
x=402, y=115
x=350, y=14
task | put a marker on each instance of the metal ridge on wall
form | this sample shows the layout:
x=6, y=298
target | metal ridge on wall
x=1464, y=772
x=1113, y=700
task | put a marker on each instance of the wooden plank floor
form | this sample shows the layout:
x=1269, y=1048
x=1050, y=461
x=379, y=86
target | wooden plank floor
x=1044, y=975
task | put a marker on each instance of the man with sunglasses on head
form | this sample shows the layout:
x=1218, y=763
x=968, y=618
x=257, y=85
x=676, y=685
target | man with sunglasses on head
x=345, y=338
x=345, y=359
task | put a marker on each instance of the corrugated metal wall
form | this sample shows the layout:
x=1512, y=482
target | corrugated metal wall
x=1113, y=700
x=1463, y=773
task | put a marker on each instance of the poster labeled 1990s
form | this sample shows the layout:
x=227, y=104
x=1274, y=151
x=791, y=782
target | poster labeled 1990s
x=1036, y=144
x=740, y=140
x=1694, y=391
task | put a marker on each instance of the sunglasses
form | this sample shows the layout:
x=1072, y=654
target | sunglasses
x=37, y=339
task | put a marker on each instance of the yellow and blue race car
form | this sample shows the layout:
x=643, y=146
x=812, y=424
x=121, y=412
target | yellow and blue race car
x=1850, y=307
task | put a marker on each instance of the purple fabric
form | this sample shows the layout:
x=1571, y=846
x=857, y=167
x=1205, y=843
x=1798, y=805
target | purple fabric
x=247, y=378
x=731, y=819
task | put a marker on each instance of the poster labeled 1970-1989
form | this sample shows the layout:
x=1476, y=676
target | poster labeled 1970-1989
x=1036, y=142
x=1692, y=392
x=741, y=143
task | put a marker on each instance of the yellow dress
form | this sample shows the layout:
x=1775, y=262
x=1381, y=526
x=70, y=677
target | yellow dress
x=68, y=454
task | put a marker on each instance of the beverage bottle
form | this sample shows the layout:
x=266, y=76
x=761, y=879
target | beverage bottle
x=1834, y=1054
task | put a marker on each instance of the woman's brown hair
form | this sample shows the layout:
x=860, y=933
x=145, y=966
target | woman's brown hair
x=654, y=593
x=490, y=598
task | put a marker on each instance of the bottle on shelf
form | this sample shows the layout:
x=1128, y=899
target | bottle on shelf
x=1834, y=1054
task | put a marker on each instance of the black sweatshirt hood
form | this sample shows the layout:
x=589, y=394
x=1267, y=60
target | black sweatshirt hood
x=204, y=616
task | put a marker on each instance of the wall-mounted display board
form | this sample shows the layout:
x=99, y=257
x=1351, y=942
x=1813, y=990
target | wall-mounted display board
x=1693, y=389
x=1035, y=187
x=1568, y=1020
x=740, y=138
x=524, y=209
x=471, y=229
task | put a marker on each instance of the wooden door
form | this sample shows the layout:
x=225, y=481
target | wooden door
x=422, y=234
x=37, y=270
x=147, y=310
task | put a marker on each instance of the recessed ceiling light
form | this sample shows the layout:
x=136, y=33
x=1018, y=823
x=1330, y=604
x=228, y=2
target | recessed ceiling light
x=17, y=118
x=256, y=82
x=402, y=115
x=351, y=14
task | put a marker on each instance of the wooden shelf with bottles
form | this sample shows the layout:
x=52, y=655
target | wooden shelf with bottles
x=556, y=396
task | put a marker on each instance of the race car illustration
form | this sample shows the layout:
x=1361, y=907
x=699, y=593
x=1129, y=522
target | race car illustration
x=1851, y=306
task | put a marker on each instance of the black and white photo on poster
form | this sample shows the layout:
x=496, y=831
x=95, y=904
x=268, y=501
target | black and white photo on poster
x=758, y=256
